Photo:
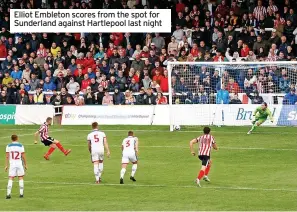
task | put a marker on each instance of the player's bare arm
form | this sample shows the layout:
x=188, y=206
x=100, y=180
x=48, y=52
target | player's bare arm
x=36, y=137
x=136, y=147
x=214, y=146
x=191, y=146
x=24, y=160
x=89, y=146
x=106, y=147
x=6, y=161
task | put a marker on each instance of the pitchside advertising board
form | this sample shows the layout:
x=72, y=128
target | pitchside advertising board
x=25, y=114
x=7, y=114
x=231, y=115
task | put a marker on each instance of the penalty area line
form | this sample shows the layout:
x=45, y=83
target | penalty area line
x=57, y=184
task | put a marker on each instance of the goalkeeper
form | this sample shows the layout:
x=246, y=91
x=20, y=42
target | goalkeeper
x=260, y=116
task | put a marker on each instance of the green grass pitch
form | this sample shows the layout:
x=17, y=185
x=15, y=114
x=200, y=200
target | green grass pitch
x=249, y=172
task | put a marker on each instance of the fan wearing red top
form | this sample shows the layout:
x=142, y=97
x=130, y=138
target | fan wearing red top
x=194, y=50
x=206, y=143
x=85, y=82
x=89, y=60
x=161, y=99
x=110, y=50
x=244, y=52
x=80, y=59
x=164, y=82
x=180, y=6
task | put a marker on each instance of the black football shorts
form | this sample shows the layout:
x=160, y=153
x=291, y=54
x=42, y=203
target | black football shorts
x=205, y=159
x=48, y=141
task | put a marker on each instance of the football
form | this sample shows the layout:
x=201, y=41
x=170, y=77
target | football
x=176, y=127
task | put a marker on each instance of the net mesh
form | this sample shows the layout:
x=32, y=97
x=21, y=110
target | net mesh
x=200, y=83
x=207, y=90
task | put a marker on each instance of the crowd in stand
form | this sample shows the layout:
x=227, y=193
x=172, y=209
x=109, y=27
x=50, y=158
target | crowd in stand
x=131, y=68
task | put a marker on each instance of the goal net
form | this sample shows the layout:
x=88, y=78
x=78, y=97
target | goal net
x=226, y=93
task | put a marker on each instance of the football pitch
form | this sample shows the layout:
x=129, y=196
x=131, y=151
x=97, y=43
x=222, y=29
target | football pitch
x=250, y=172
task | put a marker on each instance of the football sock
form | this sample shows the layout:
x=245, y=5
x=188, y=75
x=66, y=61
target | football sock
x=100, y=169
x=59, y=145
x=201, y=174
x=254, y=127
x=21, y=184
x=134, y=168
x=207, y=169
x=9, y=187
x=50, y=151
x=123, y=171
x=96, y=172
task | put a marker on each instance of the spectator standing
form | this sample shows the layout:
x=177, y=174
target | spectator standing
x=259, y=11
x=222, y=96
x=159, y=41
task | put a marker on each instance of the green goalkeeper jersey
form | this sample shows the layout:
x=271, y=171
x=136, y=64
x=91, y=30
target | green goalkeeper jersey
x=263, y=114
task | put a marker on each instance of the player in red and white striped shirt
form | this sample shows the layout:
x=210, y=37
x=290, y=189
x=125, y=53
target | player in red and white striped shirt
x=49, y=141
x=206, y=143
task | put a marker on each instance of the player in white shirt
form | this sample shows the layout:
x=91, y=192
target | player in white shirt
x=16, y=162
x=129, y=154
x=96, y=143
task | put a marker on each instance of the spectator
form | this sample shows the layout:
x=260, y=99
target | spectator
x=235, y=99
x=7, y=79
x=85, y=82
x=150, y=98
x=3, y=97
x=159, y=41
x=290, y=98
x=88, y=97
x=161, y=99
x=232, y=85
x=107, y=99
x=129, y=99
x=98, y=97
x=72, y=87
x=118, y=97
x=256, y=98
x=284, y=83
x=222, y=96
x=23, y=99
x=16, y=74
x=48, y=85
x=38, y=96
x=173, y=45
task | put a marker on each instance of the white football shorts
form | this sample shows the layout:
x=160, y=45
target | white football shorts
x=16, y=171
x=130, y=157
x=96, y=156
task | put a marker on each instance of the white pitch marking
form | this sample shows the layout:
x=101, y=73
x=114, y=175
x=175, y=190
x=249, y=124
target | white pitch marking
x=163, y=186
x=180, y=147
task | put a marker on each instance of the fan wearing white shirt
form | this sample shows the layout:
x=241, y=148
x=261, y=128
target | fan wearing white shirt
x=97, y=143
x=129, y=154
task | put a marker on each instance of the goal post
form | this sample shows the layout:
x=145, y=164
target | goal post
x=209, y=93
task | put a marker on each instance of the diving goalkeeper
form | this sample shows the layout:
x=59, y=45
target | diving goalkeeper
x=260, y=116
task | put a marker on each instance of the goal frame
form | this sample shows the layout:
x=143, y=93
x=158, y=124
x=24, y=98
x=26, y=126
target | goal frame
x=170, y=65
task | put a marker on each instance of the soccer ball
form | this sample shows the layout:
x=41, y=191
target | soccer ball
x=176, y=127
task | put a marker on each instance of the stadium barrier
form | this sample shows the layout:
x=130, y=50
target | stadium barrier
x=25, y=114
x=214, y=114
